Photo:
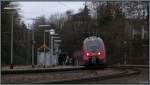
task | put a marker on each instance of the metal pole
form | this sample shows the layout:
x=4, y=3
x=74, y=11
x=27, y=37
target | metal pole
x=49, y=41
x=125, y=52
x=28, y=37
x=11, y=66
x=51, y=47
x=130, y=43
x=33, y=48
x=125, y=62
x=44, y=51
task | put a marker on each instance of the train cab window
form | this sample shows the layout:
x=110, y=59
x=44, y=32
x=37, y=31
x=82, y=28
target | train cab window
x=93, y=45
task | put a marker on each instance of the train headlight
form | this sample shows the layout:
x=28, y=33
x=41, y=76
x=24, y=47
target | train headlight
x=99, y=53
x=87, y=54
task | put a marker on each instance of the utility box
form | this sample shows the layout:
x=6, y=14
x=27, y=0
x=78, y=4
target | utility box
x=44, y=57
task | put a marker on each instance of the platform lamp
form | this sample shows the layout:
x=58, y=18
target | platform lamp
x=44, y=40
x=11, y=9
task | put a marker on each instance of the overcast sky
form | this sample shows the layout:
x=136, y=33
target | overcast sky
x=34, y=9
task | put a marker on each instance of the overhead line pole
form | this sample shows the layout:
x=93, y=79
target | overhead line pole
x=33, y=48
x=33, y=42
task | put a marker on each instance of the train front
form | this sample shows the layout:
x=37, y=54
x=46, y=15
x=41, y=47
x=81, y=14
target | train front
x=93, y=51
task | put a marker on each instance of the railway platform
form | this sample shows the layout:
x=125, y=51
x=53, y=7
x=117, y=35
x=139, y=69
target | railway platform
x=7, y=68
x=36, y=68
x=144, y=66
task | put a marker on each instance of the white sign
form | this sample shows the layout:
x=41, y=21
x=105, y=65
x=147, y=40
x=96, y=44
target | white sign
x=56, y=45
x=57, y=41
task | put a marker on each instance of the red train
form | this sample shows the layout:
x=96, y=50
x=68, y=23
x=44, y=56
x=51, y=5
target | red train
x=93, y=51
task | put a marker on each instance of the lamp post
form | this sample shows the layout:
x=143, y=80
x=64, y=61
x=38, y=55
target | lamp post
x=44, y=41
x=11, y=61
x=52, y=32
x=44, y=31
x=33, y=42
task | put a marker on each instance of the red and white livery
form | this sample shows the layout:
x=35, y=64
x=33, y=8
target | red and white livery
x=93, y=51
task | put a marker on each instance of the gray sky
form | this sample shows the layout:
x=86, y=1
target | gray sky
x=34, y=9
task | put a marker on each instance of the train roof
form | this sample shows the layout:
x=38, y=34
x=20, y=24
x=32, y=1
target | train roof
x=92, y=38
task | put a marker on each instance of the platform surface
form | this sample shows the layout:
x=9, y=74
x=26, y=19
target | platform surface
x=7, y=68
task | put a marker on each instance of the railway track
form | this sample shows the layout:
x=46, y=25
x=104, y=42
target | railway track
x=125, y=71
x=78, y=75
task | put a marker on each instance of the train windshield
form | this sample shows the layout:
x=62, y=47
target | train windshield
x=93, y=45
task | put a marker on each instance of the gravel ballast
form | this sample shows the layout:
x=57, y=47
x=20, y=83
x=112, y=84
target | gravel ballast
x=55, y=76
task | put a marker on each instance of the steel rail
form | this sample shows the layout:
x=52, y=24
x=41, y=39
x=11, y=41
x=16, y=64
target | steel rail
x=125, y=72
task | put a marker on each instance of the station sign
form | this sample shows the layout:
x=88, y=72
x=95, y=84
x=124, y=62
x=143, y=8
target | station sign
x=56, y=37
x=57, y=41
